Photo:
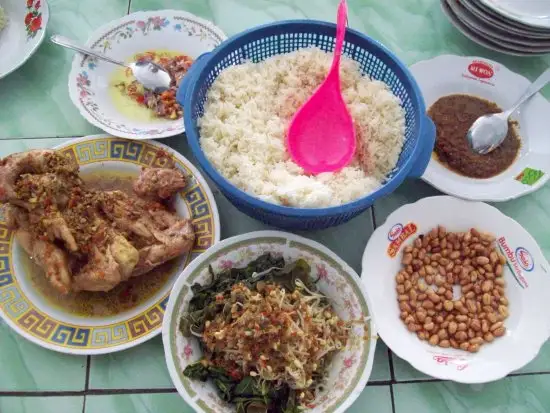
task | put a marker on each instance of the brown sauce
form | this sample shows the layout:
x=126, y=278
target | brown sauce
x=123, y=297
x=453, y=115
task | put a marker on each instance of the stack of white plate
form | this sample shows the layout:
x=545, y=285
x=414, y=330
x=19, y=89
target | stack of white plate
x=515, y=27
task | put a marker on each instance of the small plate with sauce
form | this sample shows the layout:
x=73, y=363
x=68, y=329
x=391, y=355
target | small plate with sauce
x=458, y=90
x=88, y=322
x=104, y=93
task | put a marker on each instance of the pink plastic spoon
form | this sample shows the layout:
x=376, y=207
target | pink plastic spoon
x=321, y=136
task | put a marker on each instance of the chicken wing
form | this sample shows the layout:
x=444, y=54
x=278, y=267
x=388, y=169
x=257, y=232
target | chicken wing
x=108, y=267
x=52, y=259
x=155, y=183
x=51, y=225
x=175, y=238
x=39, y=161
x=165, y=235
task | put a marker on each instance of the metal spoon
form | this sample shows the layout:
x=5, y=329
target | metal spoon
x=488, y=131
x=151, y=75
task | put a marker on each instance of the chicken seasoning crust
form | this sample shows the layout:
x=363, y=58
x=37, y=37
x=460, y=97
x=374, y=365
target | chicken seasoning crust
x=453, y=115
x=87, y=239
x=267, y=335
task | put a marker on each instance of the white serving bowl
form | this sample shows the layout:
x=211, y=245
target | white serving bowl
x=448, y=74
x=37, y=319
x=122, y=39
x=24, y=32
x=350, y=368
x=527, y=276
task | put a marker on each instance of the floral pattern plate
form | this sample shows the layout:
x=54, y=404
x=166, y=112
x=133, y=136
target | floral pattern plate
x=52, y=327
x=89, y=80
x=23, y=34
x=350, y=368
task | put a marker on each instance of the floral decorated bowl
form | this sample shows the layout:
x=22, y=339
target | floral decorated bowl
x=91, y=80
x=43, y=319
x=23, y=33
x=526, y=276
x=350, y=368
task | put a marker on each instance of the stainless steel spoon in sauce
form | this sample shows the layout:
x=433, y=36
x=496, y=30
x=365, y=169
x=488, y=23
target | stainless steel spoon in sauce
x=151, y=75
x=487, y=132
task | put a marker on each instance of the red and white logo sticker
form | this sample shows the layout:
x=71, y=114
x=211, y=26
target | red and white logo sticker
x=394, y=232
x=513, y=261
x=525, y=259
x=480, y=69
x=400, y=233
x=460, y=363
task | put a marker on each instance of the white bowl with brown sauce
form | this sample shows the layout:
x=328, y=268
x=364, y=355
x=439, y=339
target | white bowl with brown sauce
x=459, y=89
x=459, y=290
x=81, y=307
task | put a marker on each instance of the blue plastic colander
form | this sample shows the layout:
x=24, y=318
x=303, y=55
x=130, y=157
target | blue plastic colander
x=265, y=41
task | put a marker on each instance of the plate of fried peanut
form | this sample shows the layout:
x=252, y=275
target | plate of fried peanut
x=458, y=289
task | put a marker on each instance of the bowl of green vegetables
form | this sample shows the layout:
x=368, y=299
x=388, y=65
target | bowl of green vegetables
x=268, y=322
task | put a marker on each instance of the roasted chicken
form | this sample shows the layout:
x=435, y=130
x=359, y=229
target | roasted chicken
x=154, y=183
x=86, y=239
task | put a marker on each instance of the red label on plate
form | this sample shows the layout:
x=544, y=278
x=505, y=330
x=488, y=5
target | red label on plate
x=517, y=261
x=397, y=235
x=481, y=69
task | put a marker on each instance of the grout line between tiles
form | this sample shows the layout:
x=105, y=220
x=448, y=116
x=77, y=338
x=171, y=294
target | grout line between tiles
x=107, y=392
x=84, y=404
x=390, y=359
x=379, y=383
x=93, y=392
x=42, y=137
x=88, y=368
x=392, y=398
x=534, y=373
x=373, y=216
x=417, y=381
x=129, y=6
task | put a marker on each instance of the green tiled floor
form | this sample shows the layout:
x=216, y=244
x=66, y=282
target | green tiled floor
x=137, y=403
x=375, y=399
x=120, y=370
x=524, y=394
x=56, y=404
x=34, y=104
x=35, y=99
x=27, y=367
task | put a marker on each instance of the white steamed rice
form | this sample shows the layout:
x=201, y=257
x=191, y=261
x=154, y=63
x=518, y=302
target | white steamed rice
x=249, y=107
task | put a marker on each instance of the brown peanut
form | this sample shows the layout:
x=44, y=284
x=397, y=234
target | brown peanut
x=444, y=344
x=431, y=265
